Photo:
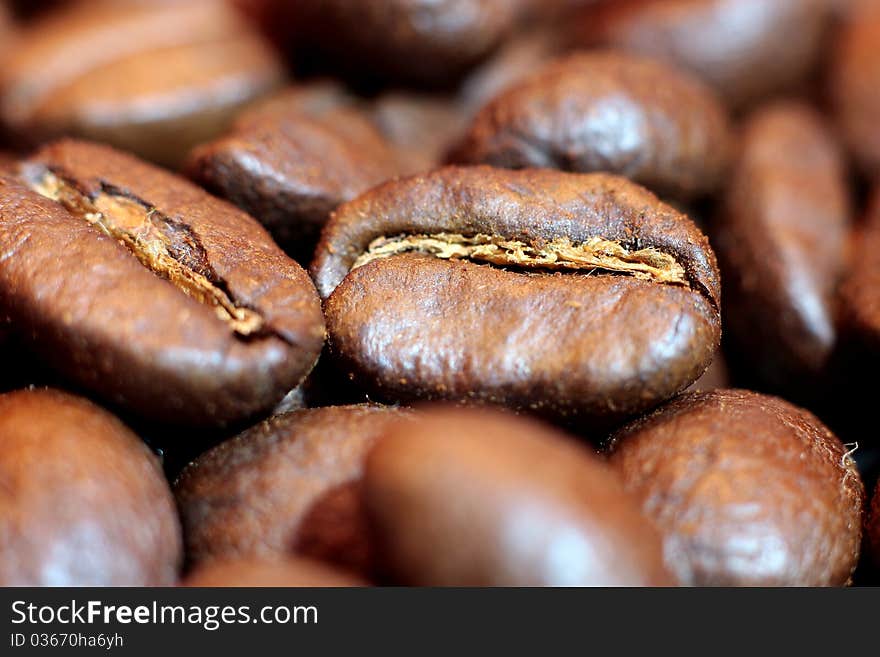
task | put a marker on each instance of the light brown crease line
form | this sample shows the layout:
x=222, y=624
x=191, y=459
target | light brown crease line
x=559, y=254
x=129, y=222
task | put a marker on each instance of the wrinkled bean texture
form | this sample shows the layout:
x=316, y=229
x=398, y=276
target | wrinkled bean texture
x=226, y=328
x=83, y=501
x=603, y=111
x=574, y=344
x=746, y=489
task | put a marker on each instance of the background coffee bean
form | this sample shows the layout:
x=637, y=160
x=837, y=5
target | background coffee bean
x=269, y=574
x=581, y=297
x=478, y=498
x=734, y=45
x=855, y=70
x=84, y=502
x=148, y=291
x=152, y=78
x=605, y=111
x=423, y=42
x=746, y=490
x=781, y=240
x=289, y=484
x=291, y=170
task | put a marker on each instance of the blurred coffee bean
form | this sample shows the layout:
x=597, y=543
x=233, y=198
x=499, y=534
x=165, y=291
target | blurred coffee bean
x=288, y=485
x=290, y=169
x=422, y=42
x=781, y=240
x=288, y=573
x=745, y=49
x=83, y=501
x=144, y=289
x=855, y=86
x=747, y=490
x=152, y=78
x=609, y=112
x=480, y=498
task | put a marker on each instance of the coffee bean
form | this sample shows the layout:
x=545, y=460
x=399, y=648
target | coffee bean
x=606, y=112
x=781, y=240
x=83, y=501
x=148, y=291
x=289, y=484
x=746, y=489
x=573, y=295
x=416, y=41
x=853, y=82
x=152, y=78
x=479, y=498
x=292, y=572
x=860, y=292
x=736, y=46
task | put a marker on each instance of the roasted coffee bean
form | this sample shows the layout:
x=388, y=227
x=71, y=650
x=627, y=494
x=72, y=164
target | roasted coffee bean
x=480, y=498
x=573, y=295
x=83, y=501
x=143, y=288
x=416, y=41
x=290, y=168
x=607, y=112
x=781, y=241
x=152, y=78
x=860, y=292
x=746, y=489
x=288, y=485
x=854, y=87
x=736, y=46
x=290, y=573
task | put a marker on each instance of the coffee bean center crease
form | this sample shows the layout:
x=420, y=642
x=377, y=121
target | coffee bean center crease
x=559, y=254
x=167, y=248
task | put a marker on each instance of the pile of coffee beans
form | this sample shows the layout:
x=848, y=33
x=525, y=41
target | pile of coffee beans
x=439, y=292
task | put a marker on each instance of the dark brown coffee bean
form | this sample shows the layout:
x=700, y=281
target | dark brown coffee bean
x=736, y=46
x=781, y=240
x=607, y=112
x=288, y=485
x=417, y=41
x=289, y=169
x=746, y=489
x=289, y=573
x=860, y=292
x=573, y=295
x=152, y=78
x=854, y=87
x=83, y=501
x=480, y=498
x=143, y=288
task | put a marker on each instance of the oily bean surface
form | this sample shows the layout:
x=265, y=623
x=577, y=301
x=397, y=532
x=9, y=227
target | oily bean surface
x=746, y=489
x=83, y=501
